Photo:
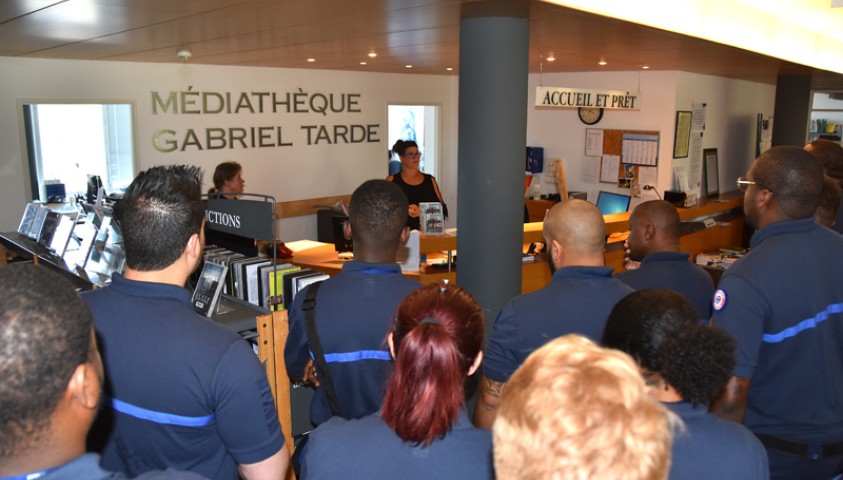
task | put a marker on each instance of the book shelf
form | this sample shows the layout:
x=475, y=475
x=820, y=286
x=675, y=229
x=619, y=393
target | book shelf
x=251, y=219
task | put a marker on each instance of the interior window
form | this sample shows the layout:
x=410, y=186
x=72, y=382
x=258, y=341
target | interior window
x=420, y=124
x=67, y=143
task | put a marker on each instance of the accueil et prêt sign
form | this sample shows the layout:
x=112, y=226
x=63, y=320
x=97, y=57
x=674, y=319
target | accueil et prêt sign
x=561, y=97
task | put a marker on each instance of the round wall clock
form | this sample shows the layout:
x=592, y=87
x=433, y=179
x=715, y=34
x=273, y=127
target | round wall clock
x=590, y=116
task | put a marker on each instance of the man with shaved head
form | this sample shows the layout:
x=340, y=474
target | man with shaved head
x=783, y=302
x=578, y=300
x=654, y=241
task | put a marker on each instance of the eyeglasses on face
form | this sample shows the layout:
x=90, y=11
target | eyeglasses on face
x=413, y=155
x=743, y=184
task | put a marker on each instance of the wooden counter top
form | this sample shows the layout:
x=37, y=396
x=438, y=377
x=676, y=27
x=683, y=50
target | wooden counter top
x=536, y=275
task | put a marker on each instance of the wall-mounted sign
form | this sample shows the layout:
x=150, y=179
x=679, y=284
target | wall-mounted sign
x=284, y=105
x=561, y=97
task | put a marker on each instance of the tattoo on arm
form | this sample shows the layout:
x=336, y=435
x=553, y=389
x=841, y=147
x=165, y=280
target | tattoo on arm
x=491, y=394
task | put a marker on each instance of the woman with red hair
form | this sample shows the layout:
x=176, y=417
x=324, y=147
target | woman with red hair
x=422, y=430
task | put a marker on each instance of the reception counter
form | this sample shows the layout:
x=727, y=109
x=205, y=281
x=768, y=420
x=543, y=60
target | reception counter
x=728, y=231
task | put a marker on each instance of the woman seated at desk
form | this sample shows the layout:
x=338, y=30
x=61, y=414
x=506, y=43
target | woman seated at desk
x=418, y=186
x=228, y=181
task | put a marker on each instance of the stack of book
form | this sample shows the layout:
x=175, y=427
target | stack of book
x=721, y=258
x=254, y=279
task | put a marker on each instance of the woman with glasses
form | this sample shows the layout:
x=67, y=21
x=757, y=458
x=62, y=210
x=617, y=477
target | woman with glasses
x=418, y=186
x=423, y=430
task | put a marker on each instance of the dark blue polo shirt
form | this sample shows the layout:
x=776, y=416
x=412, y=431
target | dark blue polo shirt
x=711, y=447
x=185, y=392
x=353, y=313
x=577, y=300
x=673, y=271
x=367, y=449
x=783, y=302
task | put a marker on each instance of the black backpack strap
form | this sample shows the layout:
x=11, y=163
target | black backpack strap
x=324, y=376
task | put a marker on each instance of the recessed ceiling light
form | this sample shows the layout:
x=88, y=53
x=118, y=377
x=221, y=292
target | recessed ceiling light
x=311, y=60
x=551, y=58
x=408, y=66
x=450, y=69
x=602, y=62
x=645, y=67
x=373, y=54
x=364, y=63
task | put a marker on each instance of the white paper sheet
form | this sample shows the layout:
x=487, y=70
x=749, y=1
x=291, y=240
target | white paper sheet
x=610, y=165
x=591, y=170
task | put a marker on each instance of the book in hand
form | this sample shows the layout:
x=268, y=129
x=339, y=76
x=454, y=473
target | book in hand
x=432, y=218
x=206, y=296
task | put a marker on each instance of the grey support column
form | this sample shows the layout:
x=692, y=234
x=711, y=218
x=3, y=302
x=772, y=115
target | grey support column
x=494, y=54
x=792, y=111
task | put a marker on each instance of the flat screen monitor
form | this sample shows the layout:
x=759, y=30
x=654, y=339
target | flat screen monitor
x=609, y=202
x=94, y=184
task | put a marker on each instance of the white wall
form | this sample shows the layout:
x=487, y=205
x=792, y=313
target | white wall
x=562, y=134
x=307, y=171
x=732, y=106
x=292, y=172
x=731, y=117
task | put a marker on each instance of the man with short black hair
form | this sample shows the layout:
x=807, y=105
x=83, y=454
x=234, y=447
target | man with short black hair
x=183, y=391
x=354, y=309
x=578, y=300
x=52, y=378
x=654, y=242
x=783, y=302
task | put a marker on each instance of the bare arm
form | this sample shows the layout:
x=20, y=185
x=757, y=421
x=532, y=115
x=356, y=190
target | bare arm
x=486, y=408
x=731, y=404
x=272, y=468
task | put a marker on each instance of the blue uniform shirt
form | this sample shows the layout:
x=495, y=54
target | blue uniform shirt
x=185, y=392
x=710, y=447
x=577, y=300
x=673, y=271
x=353, y=314
x=367, y=448
x=783, y=304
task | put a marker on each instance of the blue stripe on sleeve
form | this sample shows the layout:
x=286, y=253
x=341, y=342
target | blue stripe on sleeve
x=803, y=325
x=356, y=356
x=156, y=417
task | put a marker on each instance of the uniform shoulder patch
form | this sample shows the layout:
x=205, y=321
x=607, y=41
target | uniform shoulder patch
x=719, y=300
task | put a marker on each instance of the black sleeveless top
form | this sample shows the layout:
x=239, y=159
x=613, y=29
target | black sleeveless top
x=423, y=192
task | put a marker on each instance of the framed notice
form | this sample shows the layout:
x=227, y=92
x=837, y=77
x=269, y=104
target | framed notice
x=683, y=134
x=712, y=179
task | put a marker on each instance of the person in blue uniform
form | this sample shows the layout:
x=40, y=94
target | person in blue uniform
x=52, y=379
x=181, y=391
x=830, y=156
x=687, y=364
x=783, y=302
x=353, y=309
x=654, y=242
x=423, y=430
x=417, y=185
x=576, y=410
x=578, y=300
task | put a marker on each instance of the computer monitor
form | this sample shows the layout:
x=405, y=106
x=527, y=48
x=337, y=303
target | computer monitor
x=609, y=202
x=94, y=184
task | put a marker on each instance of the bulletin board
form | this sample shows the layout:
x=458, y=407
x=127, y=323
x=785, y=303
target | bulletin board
x=613, y=144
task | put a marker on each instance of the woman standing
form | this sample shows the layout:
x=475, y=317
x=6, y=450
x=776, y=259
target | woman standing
x=228, y=180
x=423, y=430
x=418, y=186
